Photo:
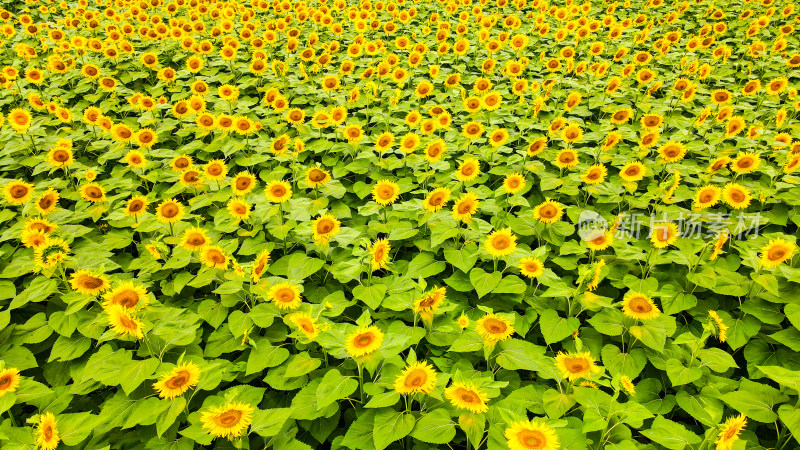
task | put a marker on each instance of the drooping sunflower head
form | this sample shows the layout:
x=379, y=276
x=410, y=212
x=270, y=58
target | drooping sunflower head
x=124, y=322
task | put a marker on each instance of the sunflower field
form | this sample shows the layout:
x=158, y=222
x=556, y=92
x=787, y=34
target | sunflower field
x=399, y=224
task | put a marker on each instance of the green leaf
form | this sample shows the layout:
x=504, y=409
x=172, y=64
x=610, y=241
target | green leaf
x=265, y=355
x=755, y=400
x=301, y=364
x=679, y=374
x=334, y=386
x=463, y=259
x=782, y=376
x=168, y=417
x=425, y=265
x=790, y=416
x=516, y=354
x=511, y=284
x=301, y=266
x=555, y=328
x=359, y=435
x=671, y=435
x=267, y=423
x=390, y=426
x=371, y=295
x=436, y=427
x=556, y=404
x=484, y=282
x=134, y=372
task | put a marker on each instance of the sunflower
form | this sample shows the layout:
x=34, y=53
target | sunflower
x=734, y=126
x=325, y=227
x=652, y=121
x=317, y=176
x=639, y=306
x=548, y=211
x=20, y=120
x=600, y=240
x=123, y=322
x=776, y=252
x=127, y=294
x=736, y=196
x=384, y=141
x=18, y=192
x=595, y=174
x=385, y=192
x=531, y=435
x=467, y=396
x=472, y=130
x=746, y=162
x=513, y=183
x=574, y=366
x=214, y=257
x=501, y=243
x=47, y=437
x=468, y=170
x=9, y=380
x=146, y=138
x=169, y=211
x=136, y=206
x=498, y=137
x=416, y=378
x=60, y=156
x=729, y=432
x=621, y=116
x=121, y=133
x=238, y=209
x=295, y=116
x=633, y=172
x=49, y=253
x=436, y=199
x=664, y=234
x=305, y=323
x=259, y=265
x=93, y=192
x=89, y=283
x=566, y=159
x=465, y=207
x=537, y=146
x=707, y=196
x=278, y=191
x=777, y=85
x=363, y=341
x=435, y=151
x=493, y=328
x=721, y=97
x=650, y=139
x=181, y=163
x=531, y=267
x=227, y=421
x=33, y=238
x=285, y=295
x=135, y=159
x=379, y=254
x=178, y=380
x=672, y=151
x=430, y=301
x=627, y=384
x=215, y=170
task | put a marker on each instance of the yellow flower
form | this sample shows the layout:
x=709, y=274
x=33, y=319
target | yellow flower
x=214, y=257
x=746, y=162
x=146, y=138
x=574, y=366
x=305, y=323
x=531, y=435
x=238, y=209
x=627, y=384
x=49, y=253
x=18, y=192
x=20, y=120
x=493, y=328
x=325, y=227
x=468, y=170
x=93, y=192
x=664, y=234
x=123, y=322
x=639, y=306
x=736, y=196
x=379, y=254
x=416, y=378
x=128, y=294
x=278, y=191
x=260, y=265
x=60, y=156
x=595, y=174
x=47, y=202
x=136, y=206
x=729, y=432
x=47, y=436
x=436, y=199
x=317, y=176
x=501, y=243
x=435, y=151
x=599, y=240
x=572, y=133
x=430, y=301
x=364, y=341
x=467, y=396
x=672, y=151
x=9, y=380
x=243, y=183
x=776, y=252
x=385, y=192
x=465, y=207
x=194, y=239
x=227, y=421
x=531, y=267
x=285, y=295
x=215, y=170
x=88, y=283
x=707, y=196
x=514, y=183
x=498, y=137
x=548, y=212
x=135, y=159
x=169, y=211
x=178, y=380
